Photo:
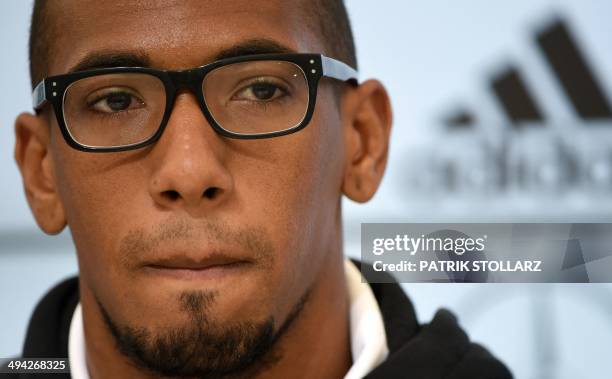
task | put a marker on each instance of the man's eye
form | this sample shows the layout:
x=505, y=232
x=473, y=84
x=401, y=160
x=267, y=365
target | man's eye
x=260, y=92
x=115, y=102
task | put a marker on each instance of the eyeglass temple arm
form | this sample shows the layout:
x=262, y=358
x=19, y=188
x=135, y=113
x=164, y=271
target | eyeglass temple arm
x=338, y=70
x=39, y=96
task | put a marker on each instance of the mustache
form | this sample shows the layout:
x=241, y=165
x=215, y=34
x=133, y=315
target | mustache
x=136, y=245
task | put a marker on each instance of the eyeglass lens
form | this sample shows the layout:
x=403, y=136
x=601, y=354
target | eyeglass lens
x=248, y=98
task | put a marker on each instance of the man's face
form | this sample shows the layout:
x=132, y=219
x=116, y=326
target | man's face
x=144, y=221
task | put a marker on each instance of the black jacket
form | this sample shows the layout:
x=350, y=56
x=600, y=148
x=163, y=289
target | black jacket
x=438, y=350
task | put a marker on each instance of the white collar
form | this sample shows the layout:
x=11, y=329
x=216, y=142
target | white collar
x=76, y=346
x=368, y=338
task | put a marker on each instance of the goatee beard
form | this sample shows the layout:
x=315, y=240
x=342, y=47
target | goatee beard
x=203, y=348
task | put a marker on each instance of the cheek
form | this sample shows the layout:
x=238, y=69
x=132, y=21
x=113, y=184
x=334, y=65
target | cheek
x=296, y=193
x=102, y=200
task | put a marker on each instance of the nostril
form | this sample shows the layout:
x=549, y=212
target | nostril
x=210, y=192
x=171, y=195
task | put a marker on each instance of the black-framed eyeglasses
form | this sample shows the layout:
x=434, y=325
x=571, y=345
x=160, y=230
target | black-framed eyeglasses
x=124, y=108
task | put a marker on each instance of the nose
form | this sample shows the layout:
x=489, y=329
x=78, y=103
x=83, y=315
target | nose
x=189, y=161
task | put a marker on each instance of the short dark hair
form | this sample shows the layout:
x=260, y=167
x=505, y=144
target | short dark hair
x=329, y=17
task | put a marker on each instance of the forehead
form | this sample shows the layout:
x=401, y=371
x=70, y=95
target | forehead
x=172, y=34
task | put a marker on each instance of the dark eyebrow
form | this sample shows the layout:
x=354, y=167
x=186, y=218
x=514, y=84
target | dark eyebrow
x=107, y=59
x=254, y=46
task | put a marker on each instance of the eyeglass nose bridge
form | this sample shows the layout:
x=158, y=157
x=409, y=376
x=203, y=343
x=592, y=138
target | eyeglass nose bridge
x=187, y=79
x=190, y=80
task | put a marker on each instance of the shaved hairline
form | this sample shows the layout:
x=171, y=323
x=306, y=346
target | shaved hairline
x=329, y=18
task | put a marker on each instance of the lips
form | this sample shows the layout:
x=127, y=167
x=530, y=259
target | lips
x=184, y=266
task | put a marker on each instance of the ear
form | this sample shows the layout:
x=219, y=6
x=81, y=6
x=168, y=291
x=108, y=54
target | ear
x=35, y=163
x=367, y=118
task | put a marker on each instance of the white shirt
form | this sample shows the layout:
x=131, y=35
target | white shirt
x=368, y=338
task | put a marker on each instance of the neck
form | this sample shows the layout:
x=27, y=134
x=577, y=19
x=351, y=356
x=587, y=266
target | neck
x=317, y=345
